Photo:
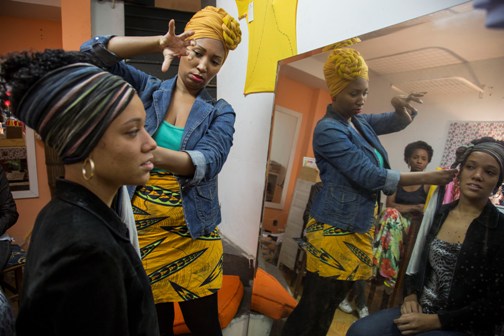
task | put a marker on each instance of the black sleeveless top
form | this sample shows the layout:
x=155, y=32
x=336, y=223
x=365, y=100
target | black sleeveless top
x=411, y=197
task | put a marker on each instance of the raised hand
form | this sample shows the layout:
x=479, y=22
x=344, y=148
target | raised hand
x=174, y=45
x=402, y=104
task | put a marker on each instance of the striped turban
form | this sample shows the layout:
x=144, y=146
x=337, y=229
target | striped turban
x=71, y=108
x=343, y=66
x=495, y=149
x=217, y=24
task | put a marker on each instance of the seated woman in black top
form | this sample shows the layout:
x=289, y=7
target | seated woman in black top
x=403, y=215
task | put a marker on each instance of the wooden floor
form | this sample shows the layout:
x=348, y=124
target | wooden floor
x=378, y=297
x=341, y=323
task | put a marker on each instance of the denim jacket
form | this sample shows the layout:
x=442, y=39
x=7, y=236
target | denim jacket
x=349, y=168
x=207, y=137
x=476, y=298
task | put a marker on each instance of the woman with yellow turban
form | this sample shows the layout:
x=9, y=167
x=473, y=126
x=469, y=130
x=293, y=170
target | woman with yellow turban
x=177, y=211
x=354, y=169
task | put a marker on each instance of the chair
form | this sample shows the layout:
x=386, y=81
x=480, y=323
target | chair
x=382, y=297
x=11, y=278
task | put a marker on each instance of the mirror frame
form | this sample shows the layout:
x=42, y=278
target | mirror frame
x=299, y=117
x=33, y=191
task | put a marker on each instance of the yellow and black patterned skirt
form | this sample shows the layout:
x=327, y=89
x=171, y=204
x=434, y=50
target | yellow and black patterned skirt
x=342, y=255
x=179, y=268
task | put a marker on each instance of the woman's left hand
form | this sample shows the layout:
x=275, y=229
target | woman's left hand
x=174, y=45
x=402, y=104
x=414, y=323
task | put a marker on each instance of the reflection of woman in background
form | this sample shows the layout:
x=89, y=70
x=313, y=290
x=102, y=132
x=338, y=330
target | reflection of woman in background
x=82, y=275
x=354, y=169
x=411, y=199
x=403, y=215
x=458, y=286
x=177, y=211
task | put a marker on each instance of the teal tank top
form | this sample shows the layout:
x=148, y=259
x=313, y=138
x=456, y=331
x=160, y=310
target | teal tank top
x=168, y=136
x=379, y=157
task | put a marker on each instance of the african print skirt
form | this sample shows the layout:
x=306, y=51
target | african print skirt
x=178, y=267
x=339, y=254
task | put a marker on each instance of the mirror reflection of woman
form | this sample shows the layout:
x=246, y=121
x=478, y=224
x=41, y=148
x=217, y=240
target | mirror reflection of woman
x=178, y=210
x=83, y=275
x=458, y=287
x=354, y=169
x=400, y=218
x=411, y=199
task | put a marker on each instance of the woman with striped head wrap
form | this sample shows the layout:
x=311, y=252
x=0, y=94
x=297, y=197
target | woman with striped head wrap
x=80, y=252
x=177, y=211
x=455, y=275
x=354, y=169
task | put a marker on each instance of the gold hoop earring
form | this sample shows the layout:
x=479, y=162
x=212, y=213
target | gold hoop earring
x=84, y=170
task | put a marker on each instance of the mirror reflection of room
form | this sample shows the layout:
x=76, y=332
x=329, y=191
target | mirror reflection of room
x=13, y=154
x=460, y=102
x=41, y=24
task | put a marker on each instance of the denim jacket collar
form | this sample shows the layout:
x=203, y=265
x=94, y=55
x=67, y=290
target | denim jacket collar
x=162, y=98
x=372, y=141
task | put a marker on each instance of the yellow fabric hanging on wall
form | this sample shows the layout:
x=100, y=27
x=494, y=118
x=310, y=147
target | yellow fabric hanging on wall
x=272, y=37
x=242, y=8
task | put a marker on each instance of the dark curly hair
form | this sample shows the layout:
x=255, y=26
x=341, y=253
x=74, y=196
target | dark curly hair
x=410, y=148
x=20, y=70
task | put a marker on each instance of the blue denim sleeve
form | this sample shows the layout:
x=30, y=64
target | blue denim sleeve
x=211, y=151
x=391, y=182
x=144, y=84
x=385, y=123
x=97, y=47
x=335, y=145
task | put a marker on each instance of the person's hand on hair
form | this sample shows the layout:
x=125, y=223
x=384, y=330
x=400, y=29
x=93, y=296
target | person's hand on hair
x=402, y=104
x=174, y=45
x=441, y=177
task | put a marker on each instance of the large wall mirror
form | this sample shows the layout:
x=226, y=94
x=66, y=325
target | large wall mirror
x=17, y=157
x=450, y=54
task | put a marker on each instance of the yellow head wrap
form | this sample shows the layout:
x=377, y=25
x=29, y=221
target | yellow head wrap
x=342, y=44
x=215, y=23
x=343, y=66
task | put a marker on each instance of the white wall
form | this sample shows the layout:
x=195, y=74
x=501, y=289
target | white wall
x=318, y=24
x=107, y=18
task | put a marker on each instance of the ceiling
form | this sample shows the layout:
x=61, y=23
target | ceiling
x=452, y=38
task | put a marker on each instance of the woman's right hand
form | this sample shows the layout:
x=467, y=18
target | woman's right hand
x=411, y=305
x=174, y=45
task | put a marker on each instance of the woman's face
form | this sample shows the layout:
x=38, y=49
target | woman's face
x=418, y=160
x=479, y=176
x=351, y=100
x=124, y=153
x=202, y=64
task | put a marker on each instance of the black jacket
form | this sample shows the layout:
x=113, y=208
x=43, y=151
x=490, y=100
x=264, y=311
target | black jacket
x=476, y=298
x=83, y=276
